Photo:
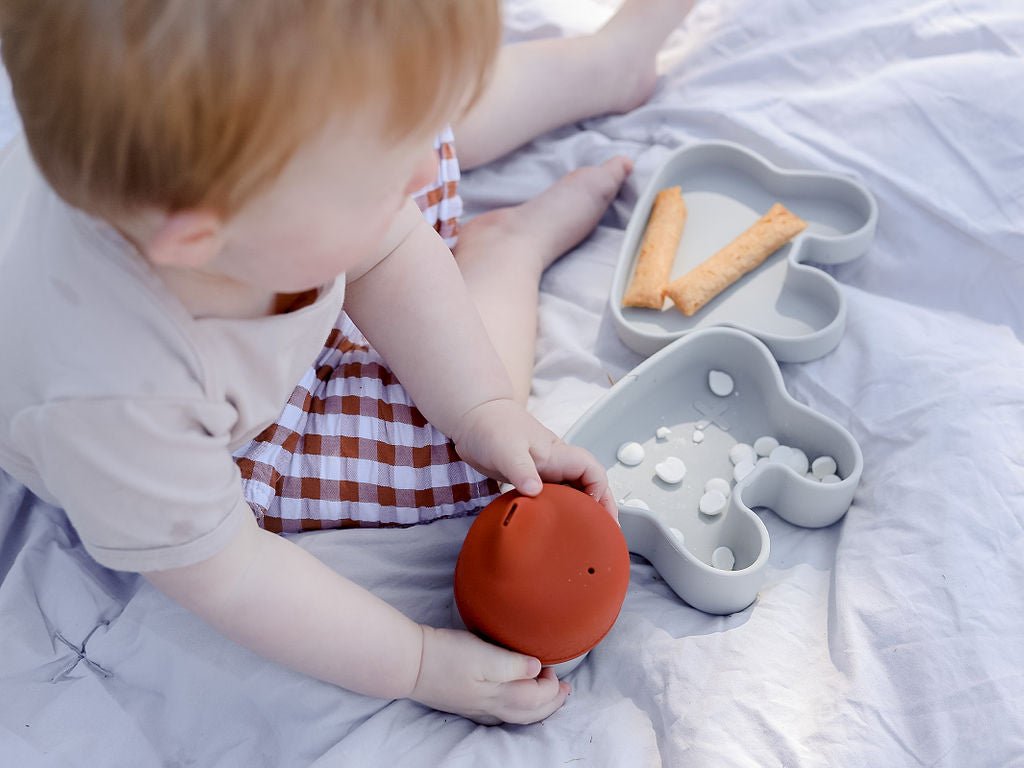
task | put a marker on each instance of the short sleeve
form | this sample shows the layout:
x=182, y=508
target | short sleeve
x=148, y=484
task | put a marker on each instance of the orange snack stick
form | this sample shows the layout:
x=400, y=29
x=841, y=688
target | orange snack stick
x=747, y=252
x=657, y=250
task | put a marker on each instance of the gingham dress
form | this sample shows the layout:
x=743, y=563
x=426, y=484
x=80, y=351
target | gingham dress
x=350, y=449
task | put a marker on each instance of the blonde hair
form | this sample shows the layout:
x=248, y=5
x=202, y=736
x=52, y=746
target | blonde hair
x=129, y=104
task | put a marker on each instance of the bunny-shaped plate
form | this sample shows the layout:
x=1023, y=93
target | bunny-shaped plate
x=797, y=310
x=671, y=390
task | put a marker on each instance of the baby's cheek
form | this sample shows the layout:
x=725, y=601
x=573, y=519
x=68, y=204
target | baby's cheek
x=342, y=227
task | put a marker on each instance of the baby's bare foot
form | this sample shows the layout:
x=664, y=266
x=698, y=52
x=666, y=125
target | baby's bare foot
x=547, y=226
x=630, y=42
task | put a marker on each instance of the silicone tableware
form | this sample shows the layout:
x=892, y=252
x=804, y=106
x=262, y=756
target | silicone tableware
x=543, y=575
x=670, y=389
x=797, y=310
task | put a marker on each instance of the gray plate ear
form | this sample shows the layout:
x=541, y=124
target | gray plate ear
x=798, y=311
x=670, y=389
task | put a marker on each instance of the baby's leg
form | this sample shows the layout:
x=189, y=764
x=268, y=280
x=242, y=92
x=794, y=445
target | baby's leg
x=542, y=84
x=503, y=253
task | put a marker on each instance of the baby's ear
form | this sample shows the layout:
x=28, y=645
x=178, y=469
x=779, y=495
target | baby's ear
x=187, y=239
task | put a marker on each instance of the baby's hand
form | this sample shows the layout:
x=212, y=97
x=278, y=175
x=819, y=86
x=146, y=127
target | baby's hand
x=502, y=440
x=461, y=673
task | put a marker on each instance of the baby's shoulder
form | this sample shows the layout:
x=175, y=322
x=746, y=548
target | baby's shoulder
x=80, y=316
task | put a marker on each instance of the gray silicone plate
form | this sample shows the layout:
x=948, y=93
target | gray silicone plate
x=670, y=389
x=797, y=310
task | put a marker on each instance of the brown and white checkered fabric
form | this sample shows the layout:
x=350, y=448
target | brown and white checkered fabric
x=440, y=201
x=350, y=449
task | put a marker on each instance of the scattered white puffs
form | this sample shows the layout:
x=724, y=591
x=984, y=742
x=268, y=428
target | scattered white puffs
x=720, y=383
x=630, y=454
x=712, y=503
x=823, y=466
x=723, y=559
x=764, y=446
x=744, y=457
x=742, y=469
x=639, y=504
x=719, y=484
x=672, y=470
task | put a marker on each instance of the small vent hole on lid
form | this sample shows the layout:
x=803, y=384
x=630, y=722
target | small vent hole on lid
x=508, y=517
x=591, y=570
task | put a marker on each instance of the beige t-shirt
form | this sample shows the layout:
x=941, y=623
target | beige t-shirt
x=115, y=403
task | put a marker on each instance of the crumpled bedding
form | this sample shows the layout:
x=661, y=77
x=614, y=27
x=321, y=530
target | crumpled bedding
x=894, y=637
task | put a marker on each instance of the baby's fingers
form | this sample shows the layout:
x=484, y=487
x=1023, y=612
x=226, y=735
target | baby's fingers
x=528, y=701
x=521, y=471
x=513, y=463
x=572, y=464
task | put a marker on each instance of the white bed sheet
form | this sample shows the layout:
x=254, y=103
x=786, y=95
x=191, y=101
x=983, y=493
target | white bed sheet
x=895, y=637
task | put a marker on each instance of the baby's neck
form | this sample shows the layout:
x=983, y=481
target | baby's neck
x=209, y=295
x=203, y=293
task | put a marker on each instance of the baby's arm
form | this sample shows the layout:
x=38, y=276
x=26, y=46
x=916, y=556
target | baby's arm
x=276, y=599
x=413, y=305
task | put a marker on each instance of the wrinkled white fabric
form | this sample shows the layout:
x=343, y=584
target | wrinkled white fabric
x=895, y=637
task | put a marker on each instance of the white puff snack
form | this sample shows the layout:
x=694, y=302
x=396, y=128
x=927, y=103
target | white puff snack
x=723, y=559
x=720, y=383
x=742, y=469
x=672, y=470
x=630, y=454
x=712, y=503
x=741, y=452
x=822, y=466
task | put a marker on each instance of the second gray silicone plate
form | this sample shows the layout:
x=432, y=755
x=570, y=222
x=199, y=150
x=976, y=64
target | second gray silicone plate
x=797, y=310
x=670, y=389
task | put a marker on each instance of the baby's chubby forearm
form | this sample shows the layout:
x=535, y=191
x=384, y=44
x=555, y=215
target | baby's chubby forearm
x=271, y=596
x=413, y=306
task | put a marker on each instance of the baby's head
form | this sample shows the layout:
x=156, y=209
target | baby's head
x=256, y=128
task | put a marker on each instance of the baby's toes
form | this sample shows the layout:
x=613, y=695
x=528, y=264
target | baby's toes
x=619, y=167
x=605, y=180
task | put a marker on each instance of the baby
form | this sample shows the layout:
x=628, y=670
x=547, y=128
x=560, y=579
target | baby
x=199, y=189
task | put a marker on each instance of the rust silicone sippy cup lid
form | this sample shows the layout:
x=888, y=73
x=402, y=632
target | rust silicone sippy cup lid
x=543, y=575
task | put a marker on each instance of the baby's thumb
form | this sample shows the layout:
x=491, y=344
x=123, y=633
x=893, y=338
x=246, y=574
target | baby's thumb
x=518, y=666
x=522, y=473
